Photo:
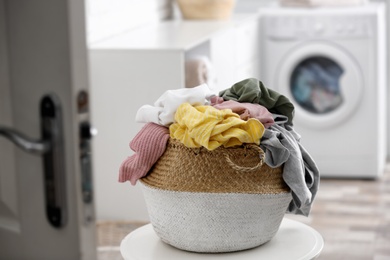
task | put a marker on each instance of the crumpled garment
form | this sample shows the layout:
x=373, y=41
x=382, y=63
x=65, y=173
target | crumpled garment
x=248, y=110
x=149, y=145
x=253, y=91
x=280, y=119
x=211, y=128
x=281, y=146
x=164, y=109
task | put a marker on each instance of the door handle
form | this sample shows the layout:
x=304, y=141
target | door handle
x=52, y=150
x=25, y=143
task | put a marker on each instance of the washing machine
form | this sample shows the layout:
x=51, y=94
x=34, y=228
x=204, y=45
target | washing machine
x=330, y=63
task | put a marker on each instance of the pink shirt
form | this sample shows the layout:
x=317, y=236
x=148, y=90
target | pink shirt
x=246, y=110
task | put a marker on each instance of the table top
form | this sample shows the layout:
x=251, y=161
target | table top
x=294, y=240
x=176, y=34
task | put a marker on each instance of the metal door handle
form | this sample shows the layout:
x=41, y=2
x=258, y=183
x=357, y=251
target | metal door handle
x=52, y=150
x=24, y=142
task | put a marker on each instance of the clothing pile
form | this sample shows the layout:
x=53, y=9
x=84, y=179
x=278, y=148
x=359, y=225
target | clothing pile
x=248, y=112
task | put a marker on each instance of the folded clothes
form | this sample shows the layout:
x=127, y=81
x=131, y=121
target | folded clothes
x=253, y=91
x=209, y=127
x=164, y=109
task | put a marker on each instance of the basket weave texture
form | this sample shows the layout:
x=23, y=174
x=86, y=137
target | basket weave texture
x=214, y=201
x=226, y=170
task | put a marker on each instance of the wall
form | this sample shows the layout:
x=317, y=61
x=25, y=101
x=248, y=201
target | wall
x=388, y=77
x=388, y=73
x=106, y=18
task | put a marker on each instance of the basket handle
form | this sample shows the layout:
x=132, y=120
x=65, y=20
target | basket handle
x=243, y=168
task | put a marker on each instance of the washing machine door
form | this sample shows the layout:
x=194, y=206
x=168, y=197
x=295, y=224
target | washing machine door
x=324, y=83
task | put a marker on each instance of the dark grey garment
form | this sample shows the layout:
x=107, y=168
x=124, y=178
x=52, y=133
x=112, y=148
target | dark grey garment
x=281, y=146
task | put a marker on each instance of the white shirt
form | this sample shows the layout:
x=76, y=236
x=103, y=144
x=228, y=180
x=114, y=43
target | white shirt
x=164, y=109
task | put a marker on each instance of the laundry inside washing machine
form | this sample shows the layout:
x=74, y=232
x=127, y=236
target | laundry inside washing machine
x=315, y=85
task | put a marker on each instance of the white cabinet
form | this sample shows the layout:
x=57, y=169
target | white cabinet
x=230, y=45
x=135, y=68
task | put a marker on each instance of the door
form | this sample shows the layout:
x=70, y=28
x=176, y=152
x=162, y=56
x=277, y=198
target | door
x=46, y=202
x=324, y=83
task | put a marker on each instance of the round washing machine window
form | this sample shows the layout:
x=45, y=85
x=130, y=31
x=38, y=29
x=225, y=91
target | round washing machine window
x=314, y=85
x=323, y=82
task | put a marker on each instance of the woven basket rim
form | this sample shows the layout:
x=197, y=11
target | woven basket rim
x=237, y=169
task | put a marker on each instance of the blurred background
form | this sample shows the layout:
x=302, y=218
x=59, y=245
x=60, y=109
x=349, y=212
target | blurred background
x=330, y=58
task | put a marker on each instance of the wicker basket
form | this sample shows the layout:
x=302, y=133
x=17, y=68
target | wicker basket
x=215, y=201
x=206, y=9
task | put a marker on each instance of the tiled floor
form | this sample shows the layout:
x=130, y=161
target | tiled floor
x=353, y=216
x=110, y=235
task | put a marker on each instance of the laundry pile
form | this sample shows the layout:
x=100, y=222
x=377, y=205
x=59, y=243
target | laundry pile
x=248, y=112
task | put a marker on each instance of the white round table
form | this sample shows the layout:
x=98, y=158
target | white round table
x=293, y=240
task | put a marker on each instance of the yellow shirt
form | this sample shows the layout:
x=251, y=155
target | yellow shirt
x=209, y=127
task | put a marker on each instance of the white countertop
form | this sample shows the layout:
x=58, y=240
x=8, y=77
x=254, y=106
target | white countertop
x=172, y=34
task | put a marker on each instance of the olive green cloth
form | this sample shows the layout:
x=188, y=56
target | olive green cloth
x=253, y=91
